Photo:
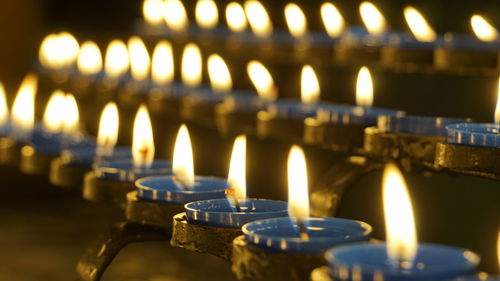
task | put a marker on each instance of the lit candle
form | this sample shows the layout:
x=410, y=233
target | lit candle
x=89, y=64
x=484, y=276
x=401, y=257
x=57, y=54
x=112, y=179
x=303, y=238
x=116, y=65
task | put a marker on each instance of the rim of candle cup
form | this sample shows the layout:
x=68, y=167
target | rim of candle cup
x=171, y=193
x=87, y=155
x=417, y=125
x=220, y=212
x=354, y=231
x=474, y=134
x=124, y=169
x=465, y=261
x=467, y=42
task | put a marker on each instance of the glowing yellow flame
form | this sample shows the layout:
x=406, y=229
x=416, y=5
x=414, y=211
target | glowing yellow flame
x=259, y=20
x=207, y=15
x=58, y=50
x=262, y=80
x=399, y=221
x=23, y=109
x=53, y=116
x=71, y=118
x=153, y=11
x=107, y=135
x=139, y=58
x=298, y=193
x=89, y=58
x=364, y=88
x=497, y=108
x=4, y=110
x=418, y=25
x=175, y=15
x=237, y=168
x=235, y=17
x=117, y=61
x=332, y=20
x=191, y=65
x=46, y=52
x=309, y=85
x=220, y=77
x=182, y=164
x=296, y=20
x=143, y=147
x=162, y=68
x=483, y=29
x=373, y=19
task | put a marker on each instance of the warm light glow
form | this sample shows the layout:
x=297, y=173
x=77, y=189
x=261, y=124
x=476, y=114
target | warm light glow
x=332, y=19
x=175, y=15
x=139, y=58
x=53, y=116
x=373, y=19
x=47, y=50
x=483, y=29
x=418, y=25
x=89, y=58
x=143, y=147
x=237, y=168
x=162, y=68
x=220, y=77
x=296, y=20
x=191, y=65
x=117, y=61
x=298, y=193
x=309, y=85
x=58, y=50
x=182, y=164
x=364, y=88
x=23, y=109
x=71, y=117
x=107, y=135
x=399, y=222
x=207, y=15
x=235, y=17
x=4, y=110
x=497, y=108
x=262, y=80
x=153, y=11
x=259, y=20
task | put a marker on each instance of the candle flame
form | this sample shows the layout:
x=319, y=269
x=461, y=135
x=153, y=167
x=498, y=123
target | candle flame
x=400, y=224
x=162, y=68
x=139, y=58
x=71, y=117
x=4, y=110
x=182, y=165
x=152, y=11
x=89, y=60
x=237, y=168
x=143, y=147
x=262, y=80
x=296, y=20
x=53, y=116
x=419, y=26
x=497, y=108
x=373, y=19
x=191, y=65
x=332, y=20
x=483, y=29
x=58, y=50
x=175, y=15
x=259, y=20
x=309, y=85
x=117, y=60
x=235, y=17
x=220, y=77
x=107, y=135
x=298, y=194
x=207, y=15
x=23, y=109
x=364, y=88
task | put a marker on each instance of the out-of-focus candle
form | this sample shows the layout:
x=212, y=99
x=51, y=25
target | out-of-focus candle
x=191, y=65
x=89, y=59
x=296, y=20
x=152, y=11
x=235, y=17
x=4, y=113
x=117, y=60
x=373, y=19
x=418, y=25
x=23, y=109
x=207, y=15
x=483, y=29
x=162, y=67
x=258, y=18
x=139, y=59
x=332, y=20
x=175, y=15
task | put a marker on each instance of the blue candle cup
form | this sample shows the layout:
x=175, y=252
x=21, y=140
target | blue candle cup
x=124, y=170
x=366, y=260
x=404, y=48
x=478, y=278
x=474, y=134
x=166, y=190
x=222, y=213
x=199, y=106
x=354, y=115
x=283, y=235
x=87, y=155
x=165, y=101
x=357, y=44
x=417, y=125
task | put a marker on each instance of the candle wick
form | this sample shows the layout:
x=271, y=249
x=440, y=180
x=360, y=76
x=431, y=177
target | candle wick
x=230, y=192
x=179, y=183
x=302, y=228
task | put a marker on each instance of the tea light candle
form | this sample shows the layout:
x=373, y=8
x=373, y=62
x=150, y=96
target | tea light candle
x=402, y=257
